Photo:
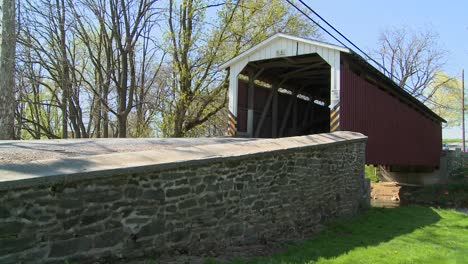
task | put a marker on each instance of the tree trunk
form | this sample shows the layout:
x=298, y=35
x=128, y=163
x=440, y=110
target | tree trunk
x=7, y=70
x=105, y=92
x=64, y=69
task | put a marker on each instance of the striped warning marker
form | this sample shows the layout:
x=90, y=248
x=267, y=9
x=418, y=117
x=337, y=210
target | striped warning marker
x=335, y=118
x=232, y=124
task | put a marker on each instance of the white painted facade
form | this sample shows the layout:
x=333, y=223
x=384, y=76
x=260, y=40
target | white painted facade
x=282, y=45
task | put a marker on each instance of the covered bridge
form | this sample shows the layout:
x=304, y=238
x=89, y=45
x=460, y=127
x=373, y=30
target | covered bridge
x=291, y=86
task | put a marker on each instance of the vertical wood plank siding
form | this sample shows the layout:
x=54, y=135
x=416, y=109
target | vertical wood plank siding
x=398, y=134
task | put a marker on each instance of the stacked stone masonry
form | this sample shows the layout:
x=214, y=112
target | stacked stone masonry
x=189, y=209
x=457, y=162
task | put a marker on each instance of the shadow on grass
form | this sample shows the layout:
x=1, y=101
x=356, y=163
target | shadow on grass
x=376, y=226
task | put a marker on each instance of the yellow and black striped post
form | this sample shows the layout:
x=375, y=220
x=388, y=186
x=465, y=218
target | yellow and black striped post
x=232, y=124
x=335, y=118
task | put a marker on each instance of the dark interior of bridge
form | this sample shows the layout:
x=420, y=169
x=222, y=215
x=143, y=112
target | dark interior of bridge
x=289, y=96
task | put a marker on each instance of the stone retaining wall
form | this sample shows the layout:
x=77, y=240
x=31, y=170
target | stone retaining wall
x=457, y=162
x=190, y=207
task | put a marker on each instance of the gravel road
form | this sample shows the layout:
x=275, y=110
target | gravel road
x=30, y=150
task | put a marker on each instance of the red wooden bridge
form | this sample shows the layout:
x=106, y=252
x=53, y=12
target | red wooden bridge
x=289, y=86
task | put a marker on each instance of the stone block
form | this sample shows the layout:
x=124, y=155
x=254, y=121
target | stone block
x=193, y=212
x=183, y=181
x=200, y=188
x=187, y=204
x=137, y=221
x=209, y=198
x=71, y=222
x=70, y=203
x=235, y=230
x=258, y=205
x=210, y=179
x=171, y=209
x=4, y=212
x=34, y=193
x=239, y=186
x=133, y=192
x=148, y=212
x=177, y=236
x=13, y=244
x=109, y=238
x=66, y=248
x=82, y=231
x=92, y=218
x=171, y=175
x=111, y=224
x=31, y=213
x=155, y=227
x=170, y=193
x=11, y=228
x=195, y=181
x=213, y=188
x=102, y=197
x=9, y=259
x=157, y=195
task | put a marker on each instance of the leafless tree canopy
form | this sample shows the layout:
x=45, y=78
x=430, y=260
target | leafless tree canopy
x=412, y=59
x=139, y=68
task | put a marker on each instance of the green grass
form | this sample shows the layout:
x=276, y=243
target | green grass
x=451, y=140
x=410, y=234
x=370, y=173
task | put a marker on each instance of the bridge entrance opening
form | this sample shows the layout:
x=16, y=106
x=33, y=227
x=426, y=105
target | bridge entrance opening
x=286, y=96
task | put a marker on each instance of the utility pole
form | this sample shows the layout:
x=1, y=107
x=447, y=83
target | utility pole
x=463, y=109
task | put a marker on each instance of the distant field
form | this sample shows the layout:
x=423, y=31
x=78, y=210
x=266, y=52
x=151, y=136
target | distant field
x=452, y=140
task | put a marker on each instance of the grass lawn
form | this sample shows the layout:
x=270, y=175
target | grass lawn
x=412, y=234
x=370, y=172
x=452, y=140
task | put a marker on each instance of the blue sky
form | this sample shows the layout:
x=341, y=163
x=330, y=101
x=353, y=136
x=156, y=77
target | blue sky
x=363, y=20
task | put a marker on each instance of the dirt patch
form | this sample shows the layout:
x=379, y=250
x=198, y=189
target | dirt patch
x=385, y=191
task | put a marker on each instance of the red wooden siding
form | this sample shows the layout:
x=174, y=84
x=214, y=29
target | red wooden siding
x=398, y=134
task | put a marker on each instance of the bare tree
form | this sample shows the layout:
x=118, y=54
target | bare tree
x=197, y=46
x=51, y=46
x=103, y=68
x=112, y=36
x=93, y=61
x=412, y=60
x=7, y=69
x=38, y=99
x=95, y=33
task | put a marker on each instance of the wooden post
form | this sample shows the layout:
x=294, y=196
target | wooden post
x=308, y=115
x=251, y=102
x=288, y=112
x=250, y=105
x=295, y=116
x=266, y=108
x=274, y=111
x=463, y=109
